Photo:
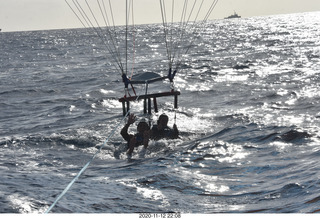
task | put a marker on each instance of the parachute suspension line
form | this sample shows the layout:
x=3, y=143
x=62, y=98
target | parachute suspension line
x=200, y=27
x=171, y=28
x=114, y=30
x=183, y=26
x=87, y=20
x=171, y=44
x=78, y=6
x=126, y=80
x=165, y=29
x=113, y=39
x=133, y=42
x=171, y=37
x=90, y=25
x=168, y=30
x=109, y=35
x=129, y=9
x=112, y=47
x=179, y=52
x=126, y=70
x=202, y=24
x=75, y=14
x=103, y=36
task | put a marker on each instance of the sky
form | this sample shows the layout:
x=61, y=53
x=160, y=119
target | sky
x=24, y=15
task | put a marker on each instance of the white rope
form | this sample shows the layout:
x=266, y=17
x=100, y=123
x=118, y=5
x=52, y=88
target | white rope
x=89, y=162
x=85, y=166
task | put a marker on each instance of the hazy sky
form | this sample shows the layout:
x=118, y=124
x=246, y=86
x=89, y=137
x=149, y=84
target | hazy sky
x=20, y=15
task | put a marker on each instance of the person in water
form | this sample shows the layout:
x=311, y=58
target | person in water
x=140, y=138
x=162, y=131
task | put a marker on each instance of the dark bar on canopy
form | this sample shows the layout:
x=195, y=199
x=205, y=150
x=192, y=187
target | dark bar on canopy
x=149, y=81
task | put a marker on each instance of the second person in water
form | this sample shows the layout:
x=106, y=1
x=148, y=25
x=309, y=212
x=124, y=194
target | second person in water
x=162, y=131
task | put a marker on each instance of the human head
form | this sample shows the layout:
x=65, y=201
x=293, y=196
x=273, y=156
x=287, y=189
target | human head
x=163, y=121
x=143, y=126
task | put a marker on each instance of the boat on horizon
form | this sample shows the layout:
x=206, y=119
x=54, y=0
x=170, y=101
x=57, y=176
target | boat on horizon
x=235, y=15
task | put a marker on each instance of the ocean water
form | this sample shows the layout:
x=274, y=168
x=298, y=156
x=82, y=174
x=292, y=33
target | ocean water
x=248, y=116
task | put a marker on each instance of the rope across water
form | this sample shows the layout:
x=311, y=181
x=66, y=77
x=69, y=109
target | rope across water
x=85, y=166
x=89, y=162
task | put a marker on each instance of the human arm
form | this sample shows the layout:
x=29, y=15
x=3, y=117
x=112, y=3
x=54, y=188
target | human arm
x=124, y=130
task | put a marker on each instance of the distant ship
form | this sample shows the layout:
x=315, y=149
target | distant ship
x=235, y=15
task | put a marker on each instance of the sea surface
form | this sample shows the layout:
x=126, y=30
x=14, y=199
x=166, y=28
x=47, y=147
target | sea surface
x=248, y=118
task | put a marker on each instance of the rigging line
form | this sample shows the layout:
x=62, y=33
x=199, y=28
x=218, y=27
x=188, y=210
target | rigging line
x=112, y=18
x=94, y=17
x=104, y=13
x=180, y=52
x=182, y=32
x=170, y=29
x=76, y=3
x=130, y=10
x=106, y=20
x=201, y=25
x=114, y=26
x=191, y=12
x=194, y=24
x=175, y=43
x=165, y=29
x=75, y=14
x=184, y=11
x=134, y=42
x=102, y=37
x=213, y=5
x=114, y=50
x=116, y=43
x=86, y=27
x=86, y=17
x=89, y=162
x=111, y=11
x=87, y=20
x=182, y=25
x=126, y=72
x=172, y=26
